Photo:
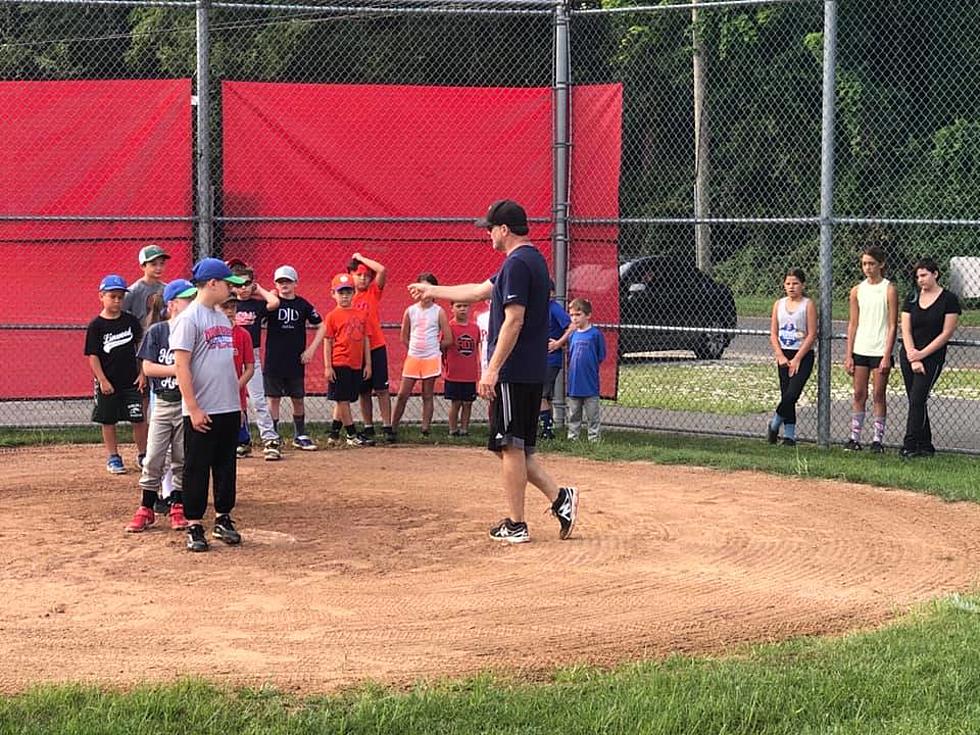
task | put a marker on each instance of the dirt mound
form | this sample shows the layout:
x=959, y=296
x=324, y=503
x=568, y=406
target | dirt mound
x=375, y=564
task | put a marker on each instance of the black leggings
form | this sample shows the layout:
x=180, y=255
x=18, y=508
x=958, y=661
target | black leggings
x=791, y=388
x=210, y=454
x=918, y=433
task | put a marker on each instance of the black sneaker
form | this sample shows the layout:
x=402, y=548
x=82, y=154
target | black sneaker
x=426, y=433
x=511, y=532
x=877, y=448
x=224, y=529
x=390, y=436
x=161, y=506
x=367, y=440
x=565, y=509
x=906, y=453
x=196, y=540
x=853, y=446
x=772, y=435
x=789, y=442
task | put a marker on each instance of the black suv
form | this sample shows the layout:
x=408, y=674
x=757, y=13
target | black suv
x=665, y=291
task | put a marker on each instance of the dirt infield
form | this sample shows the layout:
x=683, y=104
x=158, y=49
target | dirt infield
x=387, y=574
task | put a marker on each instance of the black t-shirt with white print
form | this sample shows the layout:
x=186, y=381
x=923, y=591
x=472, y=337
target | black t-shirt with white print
x=285, y=337
x=115, y=342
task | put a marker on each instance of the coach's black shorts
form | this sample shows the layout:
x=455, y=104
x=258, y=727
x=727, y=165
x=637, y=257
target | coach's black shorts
x=514, y=416
x=379, y=371
x=457, y=391
x=346, y=385
x=549, y=384
x=277, y=387
x=870, y=362
x=125, y=404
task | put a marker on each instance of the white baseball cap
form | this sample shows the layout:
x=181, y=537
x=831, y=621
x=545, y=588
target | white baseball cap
x=286, y=272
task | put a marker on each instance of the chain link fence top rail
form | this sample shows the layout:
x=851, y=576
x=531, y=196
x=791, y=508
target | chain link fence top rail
x=718, y=192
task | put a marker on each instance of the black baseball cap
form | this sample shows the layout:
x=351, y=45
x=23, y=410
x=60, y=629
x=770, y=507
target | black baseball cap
x=506, y=212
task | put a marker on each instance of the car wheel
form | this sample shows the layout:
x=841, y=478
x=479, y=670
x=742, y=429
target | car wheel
x=711, y=345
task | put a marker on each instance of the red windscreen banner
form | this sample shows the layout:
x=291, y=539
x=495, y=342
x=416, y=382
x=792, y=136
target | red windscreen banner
x=83, y=149
x=389, y=152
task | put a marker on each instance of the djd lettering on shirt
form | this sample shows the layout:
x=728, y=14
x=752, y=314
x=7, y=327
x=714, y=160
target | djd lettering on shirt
x=112, y=341
x=219, y=338
x=288, y=317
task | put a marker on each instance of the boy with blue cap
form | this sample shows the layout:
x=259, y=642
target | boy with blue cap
x=166, y=423
x=204, y=355
x=110, y=345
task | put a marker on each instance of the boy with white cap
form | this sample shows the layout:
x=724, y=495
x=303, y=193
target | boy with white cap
x=286, y=352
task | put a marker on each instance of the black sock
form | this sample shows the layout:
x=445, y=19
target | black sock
x=275, y=425
x=300, y=423
x=369, y=429
x=351, y=431
x=335, y=428
x=149, y=499
x=177, y=496
x=388, y=430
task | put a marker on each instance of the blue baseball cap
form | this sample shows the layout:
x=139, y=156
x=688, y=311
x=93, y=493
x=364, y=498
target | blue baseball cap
x=210, y=268
x=179, y=289
x=112, y=282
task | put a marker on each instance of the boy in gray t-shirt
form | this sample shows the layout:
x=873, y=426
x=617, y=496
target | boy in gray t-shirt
x=153, y=260
x=201, y=339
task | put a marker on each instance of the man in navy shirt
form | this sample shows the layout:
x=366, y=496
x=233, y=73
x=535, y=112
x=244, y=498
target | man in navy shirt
x=518, y=346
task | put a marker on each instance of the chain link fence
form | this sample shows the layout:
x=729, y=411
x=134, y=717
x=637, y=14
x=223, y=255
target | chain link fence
x=385, y=127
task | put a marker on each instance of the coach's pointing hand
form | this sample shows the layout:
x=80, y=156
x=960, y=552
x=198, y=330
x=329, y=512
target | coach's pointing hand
x=419, y=291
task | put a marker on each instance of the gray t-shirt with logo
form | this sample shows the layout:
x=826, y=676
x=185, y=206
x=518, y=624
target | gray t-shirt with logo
x=206, y=333
x=135, y=301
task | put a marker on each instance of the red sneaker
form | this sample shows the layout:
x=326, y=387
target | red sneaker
x=143, y=519
x=177, y=520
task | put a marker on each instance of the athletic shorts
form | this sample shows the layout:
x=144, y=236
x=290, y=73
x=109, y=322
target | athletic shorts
x=379, y=371
x=514, y=416
x=457, y=391
x=549, y=384
x=122, y=405
x=346, y=386
x=870, y=362
x=421, y=368
x=276, y=387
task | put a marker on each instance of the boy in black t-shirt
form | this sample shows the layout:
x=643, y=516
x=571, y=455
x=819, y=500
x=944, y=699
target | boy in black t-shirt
x=110, y=344
x=286, y=353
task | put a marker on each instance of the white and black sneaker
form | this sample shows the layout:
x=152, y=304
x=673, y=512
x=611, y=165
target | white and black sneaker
x=565, y=508
x=510, y=531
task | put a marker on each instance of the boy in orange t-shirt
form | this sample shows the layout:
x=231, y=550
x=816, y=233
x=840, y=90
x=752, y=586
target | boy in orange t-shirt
x=369, y=282
x=346, y=359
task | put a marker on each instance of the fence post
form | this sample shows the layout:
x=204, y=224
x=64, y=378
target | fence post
x=561, y=148
x=826, y=221
x=203, y=158
x=702, y=150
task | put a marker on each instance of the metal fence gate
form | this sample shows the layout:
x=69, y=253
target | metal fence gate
x=756, y=136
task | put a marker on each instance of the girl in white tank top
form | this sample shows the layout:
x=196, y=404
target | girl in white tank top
x=425, y=333
x=792, y=331
x=871, y=329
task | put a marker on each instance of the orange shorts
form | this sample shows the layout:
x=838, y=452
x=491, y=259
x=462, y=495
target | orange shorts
x=422, y=367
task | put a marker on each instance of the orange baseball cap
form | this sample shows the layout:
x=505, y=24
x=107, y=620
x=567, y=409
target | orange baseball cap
x=342, y=281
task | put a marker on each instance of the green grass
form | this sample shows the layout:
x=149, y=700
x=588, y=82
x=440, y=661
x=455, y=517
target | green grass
x=949, y=476
x=762, y=306
x=917, y=677
x=745, y=388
